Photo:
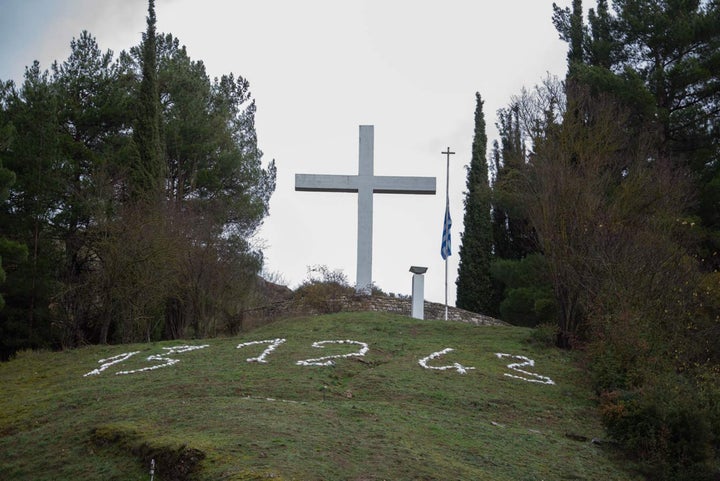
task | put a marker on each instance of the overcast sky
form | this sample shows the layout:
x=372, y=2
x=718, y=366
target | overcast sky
x=320, y=68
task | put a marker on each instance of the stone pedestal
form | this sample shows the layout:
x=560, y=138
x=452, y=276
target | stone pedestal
x=418, y=292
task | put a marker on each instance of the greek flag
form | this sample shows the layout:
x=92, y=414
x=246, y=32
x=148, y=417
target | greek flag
x=445, y=249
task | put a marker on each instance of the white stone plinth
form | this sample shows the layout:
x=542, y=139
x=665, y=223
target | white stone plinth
x=418, y=296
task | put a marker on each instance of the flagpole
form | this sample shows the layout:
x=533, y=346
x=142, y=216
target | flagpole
x=447, y=206
x=447, y=210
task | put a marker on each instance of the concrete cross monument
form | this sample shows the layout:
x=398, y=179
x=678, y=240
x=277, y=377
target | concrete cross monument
x=365, y=184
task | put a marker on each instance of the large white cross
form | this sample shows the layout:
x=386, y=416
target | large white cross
x=365, y=184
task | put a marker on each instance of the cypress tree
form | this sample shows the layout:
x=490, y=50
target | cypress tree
x=148, y=172
x=569, y=24
x=473, y=283
x=513, y=237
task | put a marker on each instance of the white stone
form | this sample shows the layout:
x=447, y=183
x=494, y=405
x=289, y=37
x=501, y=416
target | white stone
x=365, y=184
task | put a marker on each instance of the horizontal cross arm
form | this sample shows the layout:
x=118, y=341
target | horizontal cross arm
x=403, y=185
x=326, y=183
x=350, y=183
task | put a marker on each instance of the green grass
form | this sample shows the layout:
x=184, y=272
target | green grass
x=214, y=416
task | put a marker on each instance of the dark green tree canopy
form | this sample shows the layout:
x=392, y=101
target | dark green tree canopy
x=147, y=172
x=138, y=187
x=662, y=59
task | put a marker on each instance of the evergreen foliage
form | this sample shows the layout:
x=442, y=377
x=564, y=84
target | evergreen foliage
x=473, y=283
x=623, y=193
x=131, y=235
x=569, y=23
x=147, y=168
x=513, y=237
x=10, y=252
x=662, y=59
x=28, y=215
x=605, y=217
x=528, y=299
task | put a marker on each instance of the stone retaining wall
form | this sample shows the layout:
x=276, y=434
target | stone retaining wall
x=296, y=307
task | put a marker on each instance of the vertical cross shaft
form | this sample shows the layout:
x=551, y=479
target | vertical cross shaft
x=365, y=208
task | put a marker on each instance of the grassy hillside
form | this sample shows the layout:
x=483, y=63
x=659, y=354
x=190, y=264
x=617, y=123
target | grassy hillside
x=214, y=416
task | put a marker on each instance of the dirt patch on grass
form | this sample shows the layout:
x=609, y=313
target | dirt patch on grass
x=176, y=462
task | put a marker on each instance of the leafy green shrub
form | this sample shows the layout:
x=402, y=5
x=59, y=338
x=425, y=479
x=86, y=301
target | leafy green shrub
x=544, y=335
x=609, y=372
x=654, y=357
x=527, y=306
x=670, y=424
x=528, y=297
x=323, y=290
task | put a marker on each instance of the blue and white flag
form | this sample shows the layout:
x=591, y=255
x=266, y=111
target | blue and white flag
x=445, y=249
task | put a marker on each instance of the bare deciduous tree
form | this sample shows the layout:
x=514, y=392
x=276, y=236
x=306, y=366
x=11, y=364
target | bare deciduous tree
x=603, y=205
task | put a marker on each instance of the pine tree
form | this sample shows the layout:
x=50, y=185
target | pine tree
x=129, y=208
x=473, y=283
x=148, y=170
x=661, y=60
x=8, y=249
x=28, y=215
